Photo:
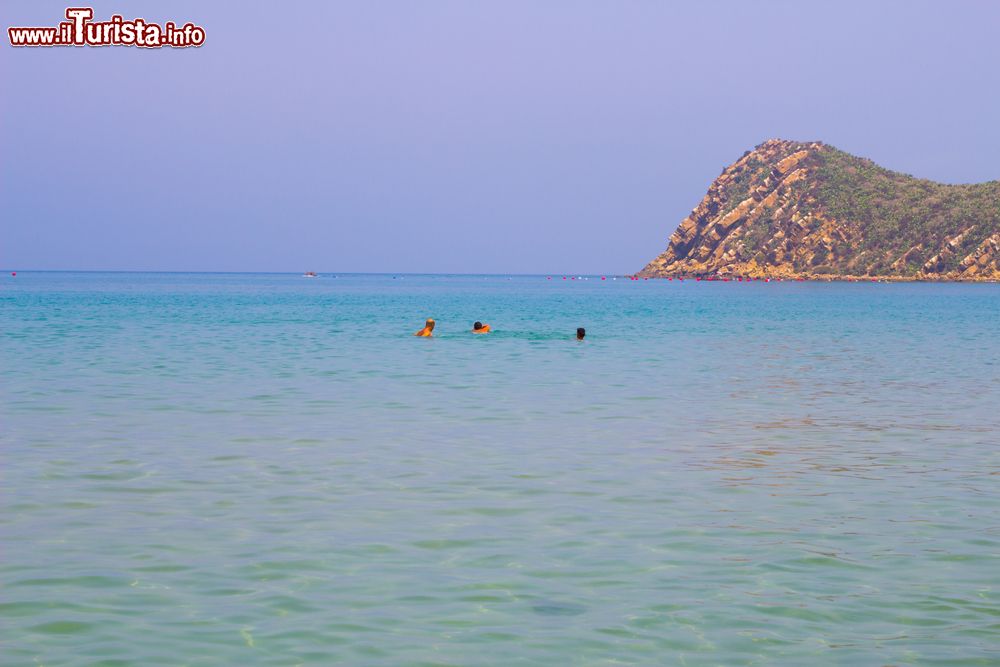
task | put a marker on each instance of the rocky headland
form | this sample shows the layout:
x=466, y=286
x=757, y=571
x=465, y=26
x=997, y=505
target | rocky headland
x=805, y=210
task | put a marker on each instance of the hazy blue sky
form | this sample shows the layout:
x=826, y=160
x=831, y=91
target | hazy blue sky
x=460, y=136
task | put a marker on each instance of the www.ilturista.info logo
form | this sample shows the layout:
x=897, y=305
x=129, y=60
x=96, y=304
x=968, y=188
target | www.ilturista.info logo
x=79, y=30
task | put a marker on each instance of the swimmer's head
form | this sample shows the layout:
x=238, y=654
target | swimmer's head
x=580, y=333
x=430, y=323
x=477, y=326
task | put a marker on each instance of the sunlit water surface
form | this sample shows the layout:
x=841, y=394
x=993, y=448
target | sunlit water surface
x=270, y=470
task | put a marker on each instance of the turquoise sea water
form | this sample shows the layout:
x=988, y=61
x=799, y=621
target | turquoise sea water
x=209, y=469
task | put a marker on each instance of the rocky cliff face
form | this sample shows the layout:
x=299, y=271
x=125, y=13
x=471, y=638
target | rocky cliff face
x=807, y=210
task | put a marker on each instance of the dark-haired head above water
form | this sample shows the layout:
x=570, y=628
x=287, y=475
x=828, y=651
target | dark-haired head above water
x=580, y=333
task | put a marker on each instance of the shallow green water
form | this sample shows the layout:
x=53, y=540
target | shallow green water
x=269, y=470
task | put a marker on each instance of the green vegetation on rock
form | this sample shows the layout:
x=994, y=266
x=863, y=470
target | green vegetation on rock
x=797, y=209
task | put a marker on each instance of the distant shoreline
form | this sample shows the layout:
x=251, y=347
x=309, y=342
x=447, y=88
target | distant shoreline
x=599, y=277
x=833, y=278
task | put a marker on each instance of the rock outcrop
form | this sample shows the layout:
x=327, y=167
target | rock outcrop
x=807, y=210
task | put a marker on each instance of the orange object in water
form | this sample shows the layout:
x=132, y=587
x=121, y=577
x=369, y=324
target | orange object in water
x=426, y=332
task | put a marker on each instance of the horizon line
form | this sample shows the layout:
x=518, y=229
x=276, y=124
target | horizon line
x=318, y=273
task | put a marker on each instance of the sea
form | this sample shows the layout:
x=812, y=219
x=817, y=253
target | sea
x=269, y=469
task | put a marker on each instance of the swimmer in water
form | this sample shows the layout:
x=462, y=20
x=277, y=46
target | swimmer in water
x=426, y=331
x=480, y=328
x=580, y=333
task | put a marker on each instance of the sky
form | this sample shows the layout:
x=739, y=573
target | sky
x=460, y=137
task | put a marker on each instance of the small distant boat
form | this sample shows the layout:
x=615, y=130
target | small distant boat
x=310, y=274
